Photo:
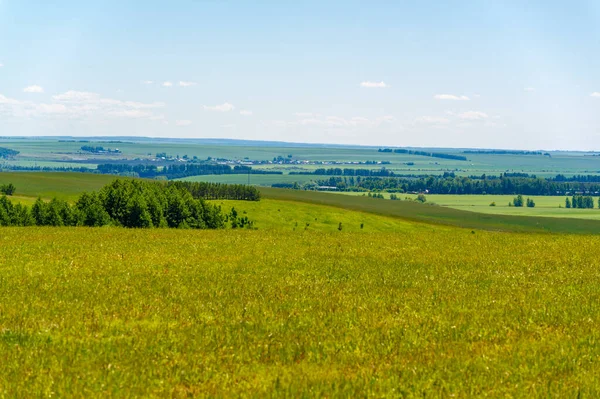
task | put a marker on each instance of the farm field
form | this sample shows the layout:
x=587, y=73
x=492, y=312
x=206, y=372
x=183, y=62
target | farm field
x=260, y=180
x=117, y=312
x=65, y=186
x=55, y=153
x=546, y=206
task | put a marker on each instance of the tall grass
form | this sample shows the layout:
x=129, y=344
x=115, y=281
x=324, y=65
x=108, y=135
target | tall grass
x=115, y=312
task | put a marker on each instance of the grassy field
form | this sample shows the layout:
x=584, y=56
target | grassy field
x=69, y=185
x=270, y=214
x=66, y=186
x=115, y=312
x=546, y=206
x=440, y=215
x=419, y=301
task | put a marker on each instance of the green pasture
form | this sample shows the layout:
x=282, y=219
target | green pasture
x=111, y=312
x=429, y=213
x=547, y=206
x=66, y=186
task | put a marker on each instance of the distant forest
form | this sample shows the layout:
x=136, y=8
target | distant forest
x=451, y=184
x=424, y=153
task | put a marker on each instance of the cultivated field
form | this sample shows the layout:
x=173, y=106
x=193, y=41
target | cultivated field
x=55, y=153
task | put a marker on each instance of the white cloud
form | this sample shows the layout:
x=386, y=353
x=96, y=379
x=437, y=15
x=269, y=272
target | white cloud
x=131, y=113
x=77, y=104
x=147, y=82
x=225, y=107
x=183, y=122
x=1, y=65
x=245, y=112
x=187, y=84
x=451, y=97
x=595, y=94
x=529, y=89
x=374, y=85
x=83, y=97
x=167, y=84
x=473, y=115
x=33, y=89
x=432, y=120
x=339, y=122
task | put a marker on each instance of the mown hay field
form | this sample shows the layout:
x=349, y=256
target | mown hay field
x=439, y=312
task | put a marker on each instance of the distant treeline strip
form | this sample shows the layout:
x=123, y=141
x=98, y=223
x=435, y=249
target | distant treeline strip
x=506, y=152
x=213, y=191
x=462, y=185
x=180, y=171
x=424, y=153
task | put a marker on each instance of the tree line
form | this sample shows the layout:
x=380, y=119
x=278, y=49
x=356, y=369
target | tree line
x=383, y=172
x=461, y=185
x=180, y=171
x=98, y=149
x=581, y=202
x=212, y=191
x=424, y=153
x=126, y=203
x=506, y=152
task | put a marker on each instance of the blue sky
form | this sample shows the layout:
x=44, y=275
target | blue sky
x=409, y=73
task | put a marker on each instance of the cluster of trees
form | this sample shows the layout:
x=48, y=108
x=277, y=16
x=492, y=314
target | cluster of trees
x=98, y=149
x=7, y=189
x=179, y=170
x=425, y=153
x=213, y=191
x=126, y=203
x=518, y=202
x=581, y=202
x=461, y=185
x=8, y=153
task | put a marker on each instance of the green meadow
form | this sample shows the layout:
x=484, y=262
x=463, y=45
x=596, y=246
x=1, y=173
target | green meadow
x=437, y=312
x=65, y=186
x=405, y=300
x=545, y=206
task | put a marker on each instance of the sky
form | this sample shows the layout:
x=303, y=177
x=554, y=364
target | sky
x=480, y=74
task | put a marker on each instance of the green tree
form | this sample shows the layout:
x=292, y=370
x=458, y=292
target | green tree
x=518, y=201
x=530, y=203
